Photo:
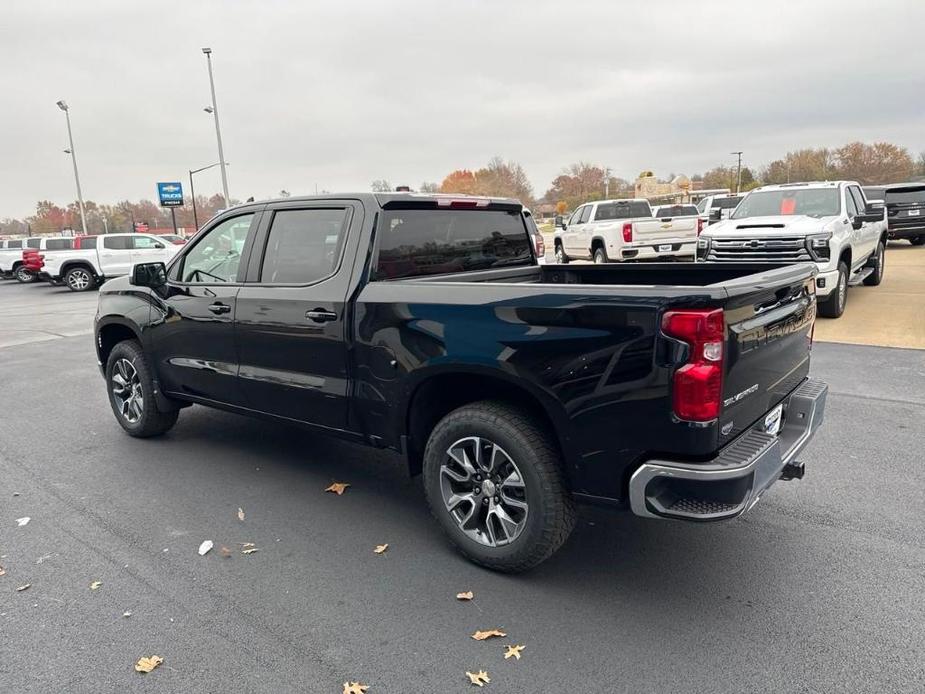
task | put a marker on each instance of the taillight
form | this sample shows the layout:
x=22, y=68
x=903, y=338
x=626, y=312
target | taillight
x=627, y=232
x=699, y=225
x=697, y=387
x=539, y=246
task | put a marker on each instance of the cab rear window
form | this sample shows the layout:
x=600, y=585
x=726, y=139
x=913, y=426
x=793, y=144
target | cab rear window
x=418, y=242
x=622, y=210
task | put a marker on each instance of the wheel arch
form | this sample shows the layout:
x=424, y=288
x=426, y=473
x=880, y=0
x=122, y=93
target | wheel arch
x=440, y=391
x=110, y=331
x=71, y=264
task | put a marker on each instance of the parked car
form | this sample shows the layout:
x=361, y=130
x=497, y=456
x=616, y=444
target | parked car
x=423, y=324
x=715, y=208
x=676, y=210
x=99, y=258
x=827, y=223
x=905, y=206
x=617, y=230
x=11, y=255
x=539, y=244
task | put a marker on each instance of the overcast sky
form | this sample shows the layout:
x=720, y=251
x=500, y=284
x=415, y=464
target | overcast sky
x=336, y=94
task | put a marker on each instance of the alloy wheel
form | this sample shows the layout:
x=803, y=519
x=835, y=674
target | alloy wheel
x=78, y=280
x=126, y=391
x=842, y=290
x=484, y=491
x=560, y=255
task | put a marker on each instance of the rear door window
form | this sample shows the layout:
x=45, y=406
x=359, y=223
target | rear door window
x=418, y=242
x=117, y=243
x=14, y=244
x=303, y=246
x=59, y=244
x=87, y=242
x=146, y=243
x=33, y=243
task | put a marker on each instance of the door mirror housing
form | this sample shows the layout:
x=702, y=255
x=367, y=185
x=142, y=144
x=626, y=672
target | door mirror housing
x=716, y=214
x=151, y=275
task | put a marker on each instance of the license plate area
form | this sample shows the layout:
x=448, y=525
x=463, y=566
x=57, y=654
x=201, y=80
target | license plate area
x=664, y=248
x=773, y=419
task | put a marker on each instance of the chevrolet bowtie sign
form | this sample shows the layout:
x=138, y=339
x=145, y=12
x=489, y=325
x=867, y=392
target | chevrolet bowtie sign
x=170, y=194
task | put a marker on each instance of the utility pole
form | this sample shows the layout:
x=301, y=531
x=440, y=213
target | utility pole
x=738, y=171
x=607, y=183
x=218, y=132
x=80, y=198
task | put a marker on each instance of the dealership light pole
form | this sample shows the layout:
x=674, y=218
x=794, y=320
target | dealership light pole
x=192, y=189
x=218, y=131
x=80, y=198
x=738, y=171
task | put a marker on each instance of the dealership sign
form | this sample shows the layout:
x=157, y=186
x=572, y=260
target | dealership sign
x=170, y=194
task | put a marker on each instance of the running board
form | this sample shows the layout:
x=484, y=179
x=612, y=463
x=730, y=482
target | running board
x=860, y=276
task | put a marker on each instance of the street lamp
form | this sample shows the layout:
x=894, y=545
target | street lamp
x=218, y=132
x=80, y=198
x=193, y=189
x=738, y=171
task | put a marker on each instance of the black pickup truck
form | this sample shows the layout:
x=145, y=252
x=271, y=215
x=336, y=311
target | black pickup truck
x=424, y=324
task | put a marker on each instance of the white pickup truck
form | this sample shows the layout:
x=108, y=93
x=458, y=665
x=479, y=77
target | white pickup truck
x=100, y=258
x=828, y=223
x=616, y=230
x=11, y=255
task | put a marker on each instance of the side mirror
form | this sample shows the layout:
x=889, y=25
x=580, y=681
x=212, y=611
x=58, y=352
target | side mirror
x=716, y=214
x=158, y=245
x=151, y=275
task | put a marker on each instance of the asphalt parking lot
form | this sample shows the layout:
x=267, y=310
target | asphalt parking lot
x=820, y=588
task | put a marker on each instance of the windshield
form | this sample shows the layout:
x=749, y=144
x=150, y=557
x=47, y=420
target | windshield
x=676, y=211
x=812, y=202
x=727, y=203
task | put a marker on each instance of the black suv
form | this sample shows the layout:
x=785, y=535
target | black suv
x=905, y=207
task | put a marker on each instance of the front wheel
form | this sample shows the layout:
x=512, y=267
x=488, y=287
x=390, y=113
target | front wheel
x=25, y=276
x=876, y=277
x=834, y=305
x=131, y=392
x=493, y=481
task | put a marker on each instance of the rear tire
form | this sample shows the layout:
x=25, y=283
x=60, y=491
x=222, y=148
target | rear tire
x=600, y=256
x=521, y=480
x=874, y=278
x=79, y=279
x=561, y=258
x=918, y=240
x=130, y=386
x=834, y=305
x=25, y=276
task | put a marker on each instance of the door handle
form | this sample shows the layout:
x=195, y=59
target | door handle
x=319, y=315
x=219, y=308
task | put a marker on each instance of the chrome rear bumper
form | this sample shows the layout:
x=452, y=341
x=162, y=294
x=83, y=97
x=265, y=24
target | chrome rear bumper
x=734, y=481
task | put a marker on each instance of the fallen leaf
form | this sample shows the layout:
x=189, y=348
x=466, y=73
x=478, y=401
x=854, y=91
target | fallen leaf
x=480, y=678
x=380, y=549
x=513, y=652
x=250, y=550
x=126, y=614
x=205, y=547
x=15, y=493
x=95, y=585
x=482, y=635
x=240, y=514
x=225, y=552
x=148, y=664
x=2, y=571
x=354, y=688
x=338, y=488
x=245, y=545
x=464, y=596
x=23, y=521
x=22, y=588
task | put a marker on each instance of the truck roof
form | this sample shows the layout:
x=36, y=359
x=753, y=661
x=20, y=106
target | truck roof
x=808, y=184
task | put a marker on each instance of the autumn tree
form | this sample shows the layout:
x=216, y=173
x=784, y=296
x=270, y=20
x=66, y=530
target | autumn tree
x=459, y=181
x=801, y=165
x=578, y=183
x=726, y=177
x=430, y=187
x=880, y=162
x=504, y=180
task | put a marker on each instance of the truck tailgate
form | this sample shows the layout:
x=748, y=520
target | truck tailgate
x=665, y=228
x=769, y=336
